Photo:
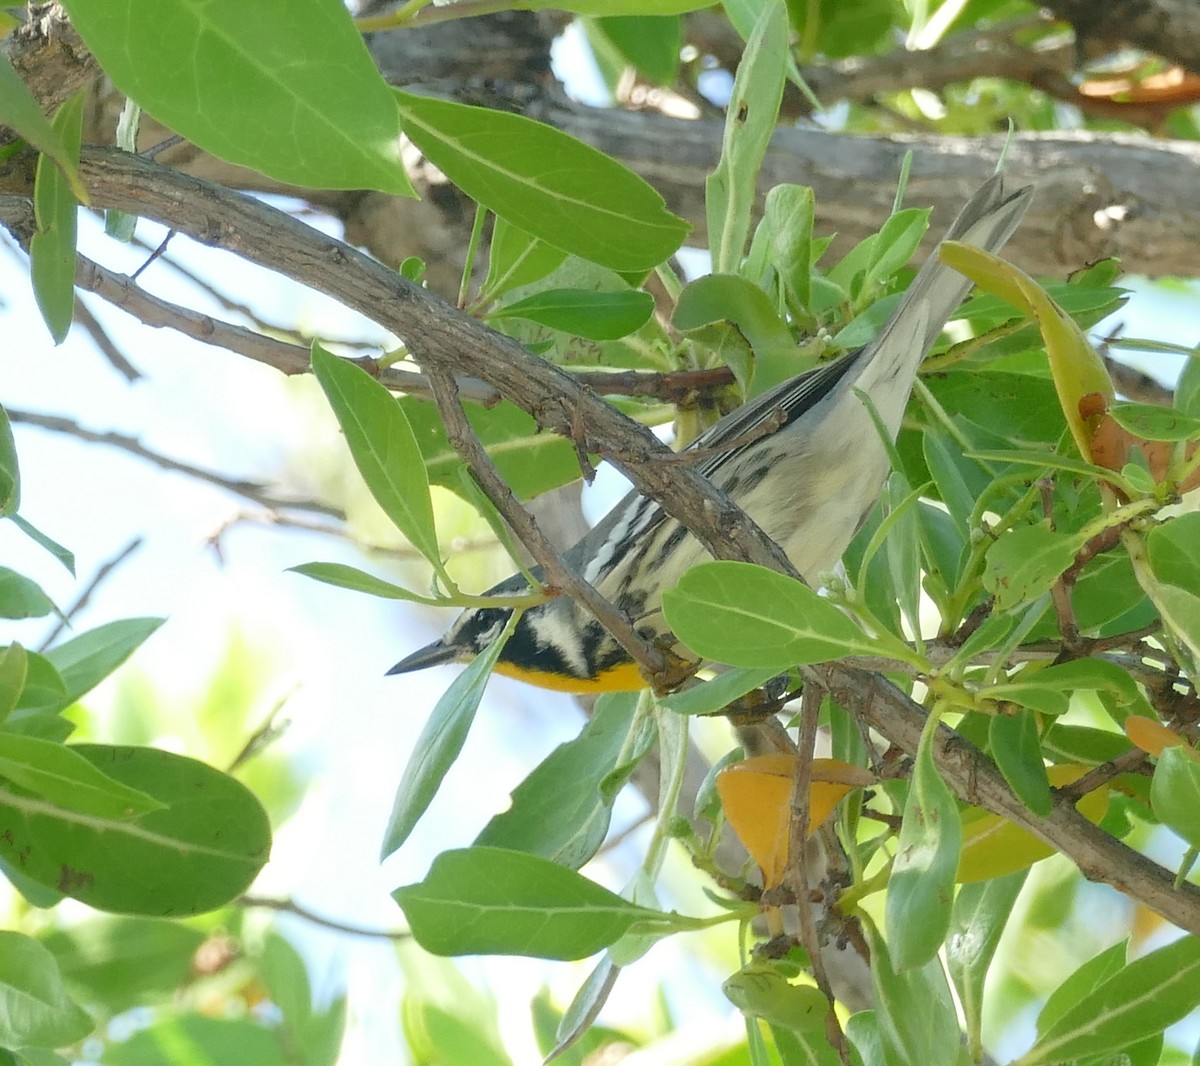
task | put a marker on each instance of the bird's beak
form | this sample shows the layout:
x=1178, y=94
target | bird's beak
x=434, y=654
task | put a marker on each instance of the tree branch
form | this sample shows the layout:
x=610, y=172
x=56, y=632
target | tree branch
x=287, y=906
x=1169, y=28
x=436, y=334
x=557, y=573
x=250, y=490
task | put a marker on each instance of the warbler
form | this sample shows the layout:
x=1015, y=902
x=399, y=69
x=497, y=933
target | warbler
x=809, y=483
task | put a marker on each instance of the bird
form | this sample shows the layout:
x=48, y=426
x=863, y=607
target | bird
x=805, y=460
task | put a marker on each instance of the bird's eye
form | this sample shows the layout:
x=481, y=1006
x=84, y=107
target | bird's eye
x=491, y=631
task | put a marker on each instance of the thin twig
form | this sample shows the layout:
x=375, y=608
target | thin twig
x=1060, y=591
x=250, y=490
x=287, y=906
x=155, y=253
x=462, y=437
x=267, y=517
x=1104, y=773
x=798, y=872
x=108, y=348
x=122, y=291
x=85, y=594
x=675, y=386
x=269, y=730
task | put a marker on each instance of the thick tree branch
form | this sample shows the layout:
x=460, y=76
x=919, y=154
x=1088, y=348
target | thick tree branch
x=441, y=337
x=1097, y=195
x=975, y=779
x=435, y=333
x=1169, y=28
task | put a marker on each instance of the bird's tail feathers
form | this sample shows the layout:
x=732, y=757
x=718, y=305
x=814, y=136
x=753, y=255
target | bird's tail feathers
x=987, y=220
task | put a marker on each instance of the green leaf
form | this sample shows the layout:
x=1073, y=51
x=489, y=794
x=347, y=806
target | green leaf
x=1083, y=744
x=14, y=669
x=865, y=1033
x=200, y=851
x=959, y=480
x=1187, y=388
x=438, y=746
x=383, y=447
x=486, y=901
x=977, y=920
x=22, y=598
x=1086, y=978
x=117, y=224
x=1013, y=407
x=729, y=191
x=35, y=1009
x=119, y=963
x=894, y=246
x=285, y=87
x=747, y=616
x=530, y=460
x=44, y=687
x=67, y=558
x=914, y=1008
x=761, y=989
x=52, y=249
x=1025, y=562
x=1138, y=1001
x=717, y=693
x=20, y=110
x=34, y=894
x=1017, y=749
x=1151, y=422
x=1181, y=610
x=286, y=977
x=68, y=780
x=809, y=1047
x=733, y=299
x=1175, y=793
x=516, y=259
x=317, y=1032
x=921, y=887
x=599, y=316
x=86, y=660
x=561, y=811
x=650, y=44
x=450, y=1036
x=1172, y=549
x=10, y=471
x=350, y=577
x=554, y=187
x=194, y=1040
x=902, y=546
x=788, y=217
x=446, y=1019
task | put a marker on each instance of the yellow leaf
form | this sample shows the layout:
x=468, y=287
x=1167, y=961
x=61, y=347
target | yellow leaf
x=993, y=846
x=1077, y=368
x=757, y=796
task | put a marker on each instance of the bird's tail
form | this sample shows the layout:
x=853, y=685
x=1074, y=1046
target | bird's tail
x=989, y=218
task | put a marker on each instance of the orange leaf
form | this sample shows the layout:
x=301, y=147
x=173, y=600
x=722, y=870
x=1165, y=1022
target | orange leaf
x=757, y=796
x=1151, y=736
x=1111, y=444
